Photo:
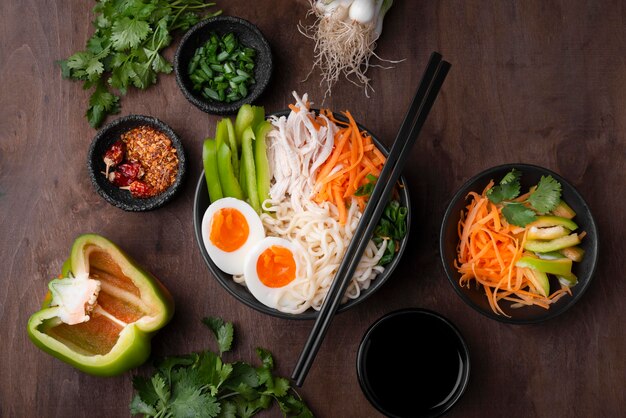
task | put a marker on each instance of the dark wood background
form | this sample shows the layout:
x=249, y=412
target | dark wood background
x=541, y=82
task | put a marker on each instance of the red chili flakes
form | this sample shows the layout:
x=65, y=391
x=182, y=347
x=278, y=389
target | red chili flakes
x=153, y=151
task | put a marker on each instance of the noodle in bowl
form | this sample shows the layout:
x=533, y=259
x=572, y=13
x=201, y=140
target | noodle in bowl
x=312, y=227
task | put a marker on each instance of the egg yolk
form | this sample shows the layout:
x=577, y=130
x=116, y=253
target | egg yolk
x=276, y=267
x=229, y=229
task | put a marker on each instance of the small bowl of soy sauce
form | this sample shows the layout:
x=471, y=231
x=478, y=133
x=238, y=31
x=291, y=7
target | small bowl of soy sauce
x=413, y=363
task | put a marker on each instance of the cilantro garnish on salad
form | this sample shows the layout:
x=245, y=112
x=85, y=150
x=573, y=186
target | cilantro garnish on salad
x=543, y=198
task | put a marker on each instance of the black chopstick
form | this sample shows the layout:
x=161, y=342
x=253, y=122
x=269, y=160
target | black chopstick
x=429, y=87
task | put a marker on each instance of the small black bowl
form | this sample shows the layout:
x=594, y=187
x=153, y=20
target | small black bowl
x=413, y=363
x=243, y=295
x=249, y=35
x=475, y=296
x=95, y=163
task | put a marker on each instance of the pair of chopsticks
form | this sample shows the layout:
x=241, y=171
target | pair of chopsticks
x=429, y=87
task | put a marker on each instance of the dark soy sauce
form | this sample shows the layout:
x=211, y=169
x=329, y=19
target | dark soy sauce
x=413, y=365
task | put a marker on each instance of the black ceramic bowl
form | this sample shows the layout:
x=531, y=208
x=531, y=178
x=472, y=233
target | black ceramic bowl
x=95, y=163
x=413, y=363
x=241, y=293
x=249, y=35
x=475, y=296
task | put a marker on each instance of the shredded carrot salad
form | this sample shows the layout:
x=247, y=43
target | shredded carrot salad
x=354, y=157
x=487, y=252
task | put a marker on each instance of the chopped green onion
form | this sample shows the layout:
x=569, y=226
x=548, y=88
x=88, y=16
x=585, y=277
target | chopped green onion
x=221, y=69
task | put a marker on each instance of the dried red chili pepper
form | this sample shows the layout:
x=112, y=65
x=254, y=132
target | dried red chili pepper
x=133, y=171
x=114, y=155
x=118, y=179
x=140, y=190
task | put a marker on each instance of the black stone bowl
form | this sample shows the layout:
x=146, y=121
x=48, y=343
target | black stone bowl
x=249, y=35
x=423, y=354
x=475, y=296
x=241, y=293
x=113, y=194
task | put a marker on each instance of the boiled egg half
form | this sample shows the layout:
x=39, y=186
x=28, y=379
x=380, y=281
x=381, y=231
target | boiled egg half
x=272, y=269
x=230, y=230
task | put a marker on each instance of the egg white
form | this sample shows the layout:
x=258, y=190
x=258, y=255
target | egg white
x=232, y=262
x=273, y=297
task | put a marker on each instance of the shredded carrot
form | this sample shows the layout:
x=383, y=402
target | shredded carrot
x=487, y=251
x=294, y=108
x=354, y=157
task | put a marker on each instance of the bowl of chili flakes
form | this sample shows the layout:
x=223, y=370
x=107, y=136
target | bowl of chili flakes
x=136, y=163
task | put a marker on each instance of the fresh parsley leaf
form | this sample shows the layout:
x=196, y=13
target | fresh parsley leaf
x=294, y=407
x=145, y=390
x=229, y=410
x=125, y=49
x=546, y=196
x=202, y=385
x=128, y=33
x=508, y=189
x=518, y=214
x=101, y=103
x=279, y=388
x=242, y=373
x=161, y=388
x=66, y=72
x=192, y=403
x=266, y=358
x=138, y=406
x=222, y=331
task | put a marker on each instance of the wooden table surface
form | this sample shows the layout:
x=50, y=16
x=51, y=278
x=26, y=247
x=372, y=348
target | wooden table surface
x=541, y=82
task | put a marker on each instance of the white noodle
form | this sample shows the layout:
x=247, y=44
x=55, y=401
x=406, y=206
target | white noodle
x=323, y=241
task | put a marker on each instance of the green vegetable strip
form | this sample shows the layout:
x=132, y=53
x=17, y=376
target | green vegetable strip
x=242, y=180
x=209, y=160
x=261, y=162
x=232, y=142
x=248, y=116
x=228, y=181
x=247, y=161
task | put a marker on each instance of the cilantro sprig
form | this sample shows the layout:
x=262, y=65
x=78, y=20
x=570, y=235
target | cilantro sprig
x=203, y=385
x=392, y=224
x=125, y=49
x=542, y=199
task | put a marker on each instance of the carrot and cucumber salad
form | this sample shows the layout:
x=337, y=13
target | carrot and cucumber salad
x=513, y=244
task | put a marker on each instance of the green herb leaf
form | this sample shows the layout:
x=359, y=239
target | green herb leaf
x=223, y=332
x=229, y=410
x=128, y=33
x=191, y=402
x=508, y=189
x=161, y=388
x=125, y=48
x=138, y=406
x=145, y=390
x=202, y=385
x=101, y=103
x=367, y=188
x=266, y=358
x=518, y=214
x=546, y=196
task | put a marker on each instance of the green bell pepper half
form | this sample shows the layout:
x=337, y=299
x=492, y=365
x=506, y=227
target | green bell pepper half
x=131, y=306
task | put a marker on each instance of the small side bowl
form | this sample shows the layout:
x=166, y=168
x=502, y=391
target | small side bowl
x=249, y=35
x=475, y=296
x=425, y=357
x=95, y=164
